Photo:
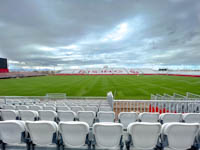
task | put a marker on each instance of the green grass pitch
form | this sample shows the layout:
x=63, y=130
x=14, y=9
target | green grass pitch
x=124, y=86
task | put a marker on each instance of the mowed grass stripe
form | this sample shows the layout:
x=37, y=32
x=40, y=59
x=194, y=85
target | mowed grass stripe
x=125, y=87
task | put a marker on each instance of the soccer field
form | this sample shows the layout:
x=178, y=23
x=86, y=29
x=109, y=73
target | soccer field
x=124, y=86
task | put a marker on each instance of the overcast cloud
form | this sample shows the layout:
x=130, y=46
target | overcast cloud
x=93, y=33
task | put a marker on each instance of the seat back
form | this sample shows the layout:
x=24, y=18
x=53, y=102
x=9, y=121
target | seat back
x=86, y=116
x=47, y=115
x=106, y=116
x=22, y=107
x=35, y=107
x=66, y=115
x=62, y=108
x=52, y=108
x=180, y=135
x=9, y=114
x=42, y=132
x=149, y=117
x=144, y=135
x=191, y=117
x=170, y=117
x=11, y=131
x=9, y=107
x=91, y=108
x=105, y=108
x=108, y=135
x=77, y=108
x=28, y=115
x=73, y=133
x=127, y=117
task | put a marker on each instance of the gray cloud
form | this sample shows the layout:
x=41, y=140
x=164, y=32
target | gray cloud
x=87, y=33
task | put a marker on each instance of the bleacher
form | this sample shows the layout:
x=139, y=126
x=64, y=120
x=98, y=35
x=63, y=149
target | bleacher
x=20, y=75
x=92, y=124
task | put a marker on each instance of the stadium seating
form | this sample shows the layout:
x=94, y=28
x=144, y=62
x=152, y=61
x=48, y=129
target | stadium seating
x=107, y=135
x=47, y=115
x=148, y=117
x=86, y=116
x=77, y=108
x=106, y=116
x=12, y=132
x=127, y=117
x=35, y=107
x=42, y=133
x=62, y=108
x=28, y=115
x=191, y=118
x=9, y=115
x=180, y=136
x=74, y=134
x=170, y=117
x=22, y=107
x=143, y=135
x=66, y=115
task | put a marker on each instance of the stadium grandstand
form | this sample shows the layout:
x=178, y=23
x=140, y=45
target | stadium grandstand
x=100, y=75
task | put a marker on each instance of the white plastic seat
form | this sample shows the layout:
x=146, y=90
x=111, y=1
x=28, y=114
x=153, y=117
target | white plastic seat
x=170, y=117
x=179, y=136
x=105, y=108
x=22, y=107
x=191, y=117
x=91, y=108
x=51, y=104
x=106, y=116
x=28, y=115
x=86, y=116
x=42, y=133
x=9, y=114
x=148, y=117
x=143, y=135
x=52, y=108
x=77, y=108
x=108, y=135
x=47, y=115
x=74, y=134
x=12, y=132
x=127, y=117
x=62, y=108
x=9, y=107
x=66, y=115
x=35, y=107
x=60, y=104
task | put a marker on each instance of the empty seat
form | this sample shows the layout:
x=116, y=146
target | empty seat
x=52, y=108
x=105, y=108
x=143, y=135
x=35, y=107
x=47, y=115
x=50, y=104
x=9, y=115
x=77, y=108
x=74, y=134
x=170, y=117
x=42, y=133
x=9, y=107
x=66, y=115
x=60, y=104
x=22, y=107
x=191, y=117
x=106, y=116
x=28, y=115
x=86, y=116
x=178, y=136
x=148, y=117
x=108, y=135
x=12, y=132
x=62, y=108
x=127, y=117
x=91, y=108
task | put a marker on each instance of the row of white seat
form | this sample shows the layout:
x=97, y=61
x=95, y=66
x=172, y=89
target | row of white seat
x=142, y=135
x=58, y=108
x=102, y=116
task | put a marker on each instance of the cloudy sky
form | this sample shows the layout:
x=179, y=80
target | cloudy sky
x=92, y=33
